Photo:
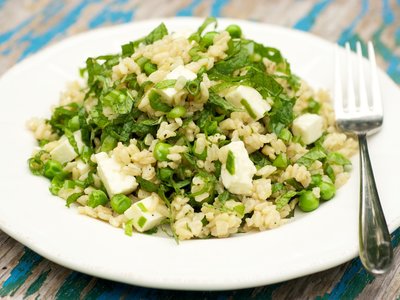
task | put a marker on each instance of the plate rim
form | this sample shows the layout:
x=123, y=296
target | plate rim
x=4, y=226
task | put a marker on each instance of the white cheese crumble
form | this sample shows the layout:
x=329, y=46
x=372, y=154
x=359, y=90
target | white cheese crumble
x=249, y=99
x=144, y=213
x=114, y=180
x=240, y=182
x=309, y=127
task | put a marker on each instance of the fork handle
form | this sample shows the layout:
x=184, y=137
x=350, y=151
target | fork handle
x=376, y=252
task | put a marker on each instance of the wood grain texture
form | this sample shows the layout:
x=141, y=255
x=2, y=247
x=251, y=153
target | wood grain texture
x=28, y=26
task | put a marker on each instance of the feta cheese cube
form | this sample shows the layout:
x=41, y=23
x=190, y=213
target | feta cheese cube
x=250, y=99
x=180, y=71
x=309, y=127
x=168, y=94
x=110, y=173
x=145, y=214
x=64, y=151
x=240, y=182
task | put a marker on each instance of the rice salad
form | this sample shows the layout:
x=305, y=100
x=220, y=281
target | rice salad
x=202, y=135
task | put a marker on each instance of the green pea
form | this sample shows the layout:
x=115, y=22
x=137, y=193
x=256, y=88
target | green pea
x=161, y=150
x=73, y=123
x=120, y=203
x=327, y=190
x=149, y=68
x=96, y=198
x=176, y=112
x=53, y=168
x=208, y=38
x=234, y=31
x=315, y=180
x=308, y=201
x=165, y=173
x=281, y=161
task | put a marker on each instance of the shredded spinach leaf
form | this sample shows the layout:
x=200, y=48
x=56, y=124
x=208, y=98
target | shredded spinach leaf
x=314, y=154
x=220, y=102
x=157, y=34
x=335, y=158
x=147, y=185
x=284, y=199
x=281, y=114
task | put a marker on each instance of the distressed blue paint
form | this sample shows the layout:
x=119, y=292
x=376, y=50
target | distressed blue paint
x=20, y=272
x=49, y=11
x=107, y=15
x=105, y=289
x=391, y=58
x=396, y=238
x=188, y=10
x=348, y=31
x=217, y=7
x=38, y=41
x=352, y=271
x=397, y=36
x=387, y=13
x=73, y=286
x=355, y=278
x=4, y=37
x=6, y=51
x=307, y=22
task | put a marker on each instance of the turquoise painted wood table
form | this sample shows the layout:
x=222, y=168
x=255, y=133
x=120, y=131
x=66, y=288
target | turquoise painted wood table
x=28, y=26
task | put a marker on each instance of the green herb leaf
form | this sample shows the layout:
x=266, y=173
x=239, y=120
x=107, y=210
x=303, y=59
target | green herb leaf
x=147, y=185
x=225, y=196
x=72, y=198
x=197, y=35
x=157, y=34
x=335, y=158
x=259, y=159
x=220, y=102
x=284, y=199
x=119, y=101
x=313, y=106
x=281, y=114
x=157, y=104
x=263, y=82
x=328, y=170
x=237, y=61
x=314, y=154
x=165, y=84
x=293, y=182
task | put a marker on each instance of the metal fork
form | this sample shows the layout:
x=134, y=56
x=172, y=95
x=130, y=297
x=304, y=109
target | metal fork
x=361, y=114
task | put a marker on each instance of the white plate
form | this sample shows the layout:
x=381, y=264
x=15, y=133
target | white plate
x=310, y=243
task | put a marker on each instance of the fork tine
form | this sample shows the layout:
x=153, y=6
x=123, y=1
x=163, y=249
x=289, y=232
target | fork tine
x=351, y=98
x=363, y=99
x=338, y=83
x=376, y=103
